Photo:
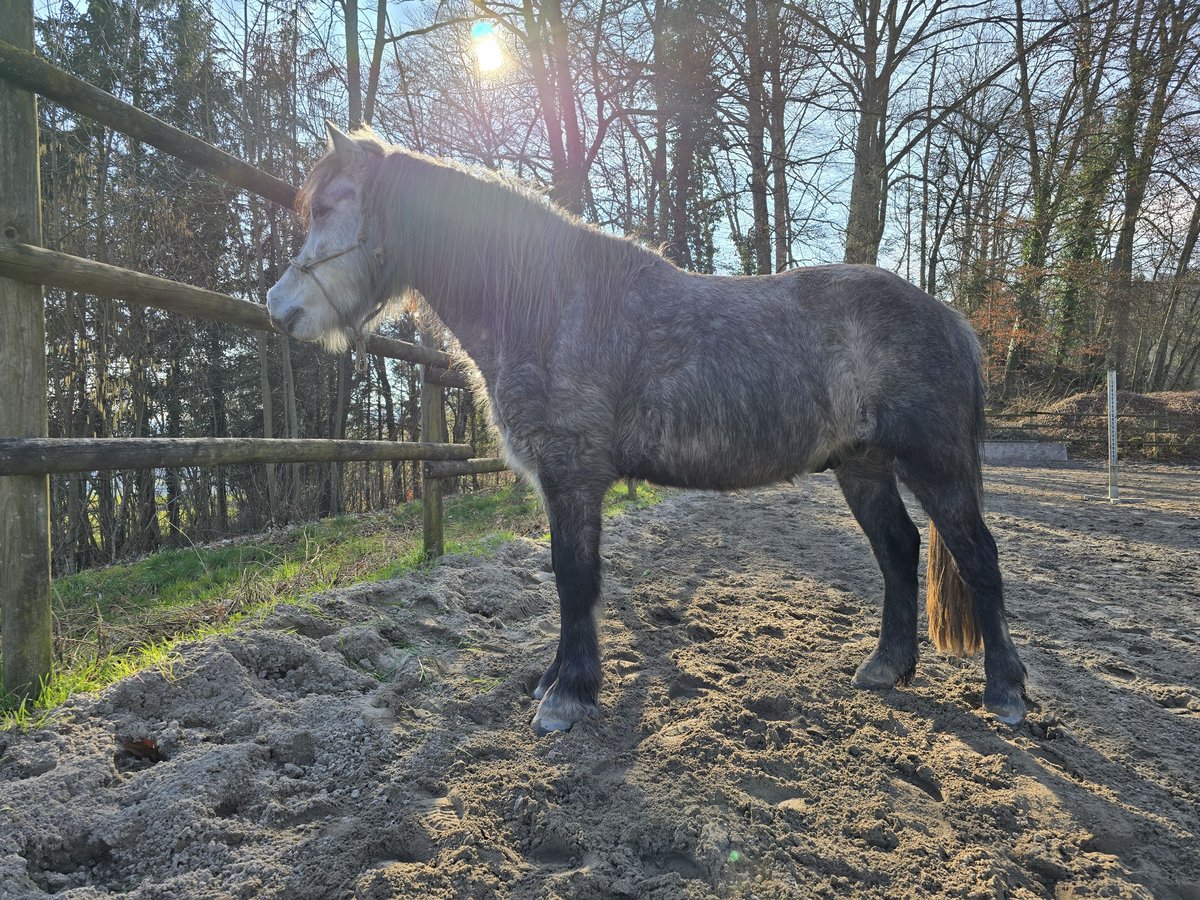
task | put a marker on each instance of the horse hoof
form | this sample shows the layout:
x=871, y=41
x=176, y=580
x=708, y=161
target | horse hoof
x=1010, y=713
x=1006, y=702
x=559, y=714
x=872, y=681
x=875, y=674
x=543, y=727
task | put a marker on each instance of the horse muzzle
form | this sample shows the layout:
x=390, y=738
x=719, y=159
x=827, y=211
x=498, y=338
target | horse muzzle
x=287, y=319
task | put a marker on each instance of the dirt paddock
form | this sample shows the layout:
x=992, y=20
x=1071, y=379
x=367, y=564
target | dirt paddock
x=376, y=743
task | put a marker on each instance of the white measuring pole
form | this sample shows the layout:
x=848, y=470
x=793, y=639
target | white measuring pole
x=1113, y=494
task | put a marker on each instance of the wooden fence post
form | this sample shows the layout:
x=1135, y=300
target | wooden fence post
x=24, y=499
x=433, y=428
x=1114, y=494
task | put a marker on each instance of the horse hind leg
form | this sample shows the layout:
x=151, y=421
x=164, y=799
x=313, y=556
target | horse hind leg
x=954, y=505
x=869, y=485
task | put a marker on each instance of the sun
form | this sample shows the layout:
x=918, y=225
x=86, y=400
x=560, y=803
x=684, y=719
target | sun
x=488, y=55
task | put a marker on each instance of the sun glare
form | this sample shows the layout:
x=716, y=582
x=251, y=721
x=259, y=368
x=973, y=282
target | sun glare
x=488, y=55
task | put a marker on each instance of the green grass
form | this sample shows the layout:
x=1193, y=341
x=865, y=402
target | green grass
x=114, y=622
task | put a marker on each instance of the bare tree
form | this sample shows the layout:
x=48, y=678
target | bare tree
x=1162, y=57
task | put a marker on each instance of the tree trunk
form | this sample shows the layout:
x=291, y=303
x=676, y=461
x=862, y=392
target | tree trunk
x=572, y=179
x=393, y=428
x=658, y=207
x=776, y=110
x=220, y=421
x=1153, y=68
x=756, y=140
x=549, y=61
x=868, y=188
x=268, y=421
x=376, y=62
x=353, y=68
x=1157, y=375
x=171, y=476
x=340, y=410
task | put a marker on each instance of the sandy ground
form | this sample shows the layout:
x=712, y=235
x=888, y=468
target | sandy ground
x=376, y=744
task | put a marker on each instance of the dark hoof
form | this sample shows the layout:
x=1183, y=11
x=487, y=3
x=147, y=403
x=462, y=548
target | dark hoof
x=878, y=674
x=557, y=713
x=542, y=728
x=1006, y=705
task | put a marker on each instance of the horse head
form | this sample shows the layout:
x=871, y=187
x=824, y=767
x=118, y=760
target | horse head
x=329, y=291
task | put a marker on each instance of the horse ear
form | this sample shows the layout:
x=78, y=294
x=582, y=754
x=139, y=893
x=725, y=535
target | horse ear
x=339, y=141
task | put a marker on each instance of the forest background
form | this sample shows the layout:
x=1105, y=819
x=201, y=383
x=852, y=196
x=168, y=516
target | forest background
x=1034, y=164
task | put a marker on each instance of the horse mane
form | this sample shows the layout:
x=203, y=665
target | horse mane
x=481, y=246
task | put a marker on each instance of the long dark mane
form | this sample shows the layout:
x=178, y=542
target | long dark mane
x=482, y=247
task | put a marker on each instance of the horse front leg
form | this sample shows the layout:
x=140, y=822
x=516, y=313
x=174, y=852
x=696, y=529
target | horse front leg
x=570, y=686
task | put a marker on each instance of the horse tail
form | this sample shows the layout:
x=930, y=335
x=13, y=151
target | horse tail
x=953, y=621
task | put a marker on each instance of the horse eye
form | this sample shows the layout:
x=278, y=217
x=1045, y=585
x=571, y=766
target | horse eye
x=320, y=212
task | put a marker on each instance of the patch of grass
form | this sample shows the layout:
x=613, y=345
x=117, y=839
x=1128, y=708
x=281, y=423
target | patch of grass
x=486, y=684
x=618, y=500
x=114, y=622
x=88, y=675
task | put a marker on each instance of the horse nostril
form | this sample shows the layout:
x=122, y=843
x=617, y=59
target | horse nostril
x=288, y=321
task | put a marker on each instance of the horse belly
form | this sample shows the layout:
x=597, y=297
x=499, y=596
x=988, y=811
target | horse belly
x=695, y=453
x=713, y=478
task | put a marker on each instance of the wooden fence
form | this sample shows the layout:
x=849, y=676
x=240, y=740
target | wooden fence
x=1165, y=435
x=28, y=456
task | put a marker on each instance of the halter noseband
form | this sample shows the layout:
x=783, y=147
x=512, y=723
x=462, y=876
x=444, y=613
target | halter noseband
x=307, y=269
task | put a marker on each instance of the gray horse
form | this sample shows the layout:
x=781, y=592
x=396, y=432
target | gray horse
x=601, y=360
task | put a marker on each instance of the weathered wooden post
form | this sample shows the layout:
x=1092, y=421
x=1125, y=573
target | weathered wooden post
x=24, y=499
x=433, y=428
x=1114, y=494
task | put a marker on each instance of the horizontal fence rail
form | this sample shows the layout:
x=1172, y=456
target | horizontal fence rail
x=1153, y=434
x=33, y=73
x=1192, y=418
x=37, y=265
x=38, y=456
x=454, y=469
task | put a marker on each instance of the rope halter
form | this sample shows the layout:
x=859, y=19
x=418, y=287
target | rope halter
x=308, y=267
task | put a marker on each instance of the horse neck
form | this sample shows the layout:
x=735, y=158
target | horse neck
x=459, y=308
x=494, y=281
x=501, y=270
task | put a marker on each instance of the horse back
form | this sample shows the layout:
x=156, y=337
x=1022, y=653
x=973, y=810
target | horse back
x=743, y=381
